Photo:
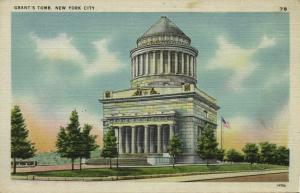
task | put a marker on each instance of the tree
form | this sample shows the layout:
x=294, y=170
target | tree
x=87, y=143
x=251, y=152
x=175, y=148
x=234, y=156
x=109, y=145
x=207, y=144
x=68, y=139
x=220, y=154
x=268, y=152
x=282, y=155
x=21, y=147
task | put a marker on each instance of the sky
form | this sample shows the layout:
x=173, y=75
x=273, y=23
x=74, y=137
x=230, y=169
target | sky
x=65, y=61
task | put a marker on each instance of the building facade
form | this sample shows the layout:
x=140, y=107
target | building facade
x=163, y=99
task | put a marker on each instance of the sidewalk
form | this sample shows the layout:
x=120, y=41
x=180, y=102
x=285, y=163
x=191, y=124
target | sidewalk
x=178, y=177
x=203, y=177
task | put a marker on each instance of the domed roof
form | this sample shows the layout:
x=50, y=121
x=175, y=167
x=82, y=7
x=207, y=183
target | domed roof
x=164, y=26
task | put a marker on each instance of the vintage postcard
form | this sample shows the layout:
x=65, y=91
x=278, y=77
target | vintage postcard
x=150, y=96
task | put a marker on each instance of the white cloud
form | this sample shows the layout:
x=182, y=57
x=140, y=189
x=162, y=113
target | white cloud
x=58, y=48
x=237, y=60
x=267, y=42
x=61, y=48
x=106, y=60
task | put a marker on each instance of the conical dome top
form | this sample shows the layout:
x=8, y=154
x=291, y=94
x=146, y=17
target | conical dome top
x=164, y=26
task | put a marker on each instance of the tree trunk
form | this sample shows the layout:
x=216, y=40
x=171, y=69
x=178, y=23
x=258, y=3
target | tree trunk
x=80, y=159
x=15, y=166
x=173, y=161
x=206, y=162
x=72, y=163
x=110, y=162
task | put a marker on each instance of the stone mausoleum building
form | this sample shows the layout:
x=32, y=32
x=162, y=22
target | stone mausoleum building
x=163, y=99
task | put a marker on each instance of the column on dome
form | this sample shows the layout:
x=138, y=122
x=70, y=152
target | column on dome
x=161, y=69
x=142, y=64
x=132, y=68
x=182, y=63
x=154, y=63
x=192, y=66
x=195, y=67
x=147, y=63
x=176, y=62
x=187, y=64
x=136, y=66
x=150, y=61
x=169, y=63
x=139, y=65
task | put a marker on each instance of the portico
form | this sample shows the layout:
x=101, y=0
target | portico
x=146, y=139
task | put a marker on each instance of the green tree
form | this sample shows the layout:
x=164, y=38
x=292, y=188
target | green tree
x=175, y=148
x=87, y=143
x=21, y=147
x=268, y=152
x=234, y=156
x=207, y=144
x=220, y=154
x=282, y=155
x=251, y=152
x=109, y=145
x=68, y=139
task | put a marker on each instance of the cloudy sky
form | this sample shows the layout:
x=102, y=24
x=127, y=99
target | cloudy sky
x=63, y=61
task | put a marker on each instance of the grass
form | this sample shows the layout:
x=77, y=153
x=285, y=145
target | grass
x=136, y=171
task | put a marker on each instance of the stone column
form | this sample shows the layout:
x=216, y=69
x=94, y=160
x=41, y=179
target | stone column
x=147, y=64
x=132, y=67
x=195, y=66
x=142, y=64
x=133, y=140
x=138, y=139
x=165, y=140
x=154, y=63
x=171, y=134
x=176, y=62
x=136, y=69
x=127, y=142
x=169, y=63
x=159, y=128
x=182, y=63
x=192, y=66
x=188, y=64
x=151, y=140
x=120, y=142
x=161, y=67
x=146, y=128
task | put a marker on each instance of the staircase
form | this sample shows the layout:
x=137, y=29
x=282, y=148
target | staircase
x=123, y=161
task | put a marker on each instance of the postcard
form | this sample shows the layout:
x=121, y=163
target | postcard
x=150, y=96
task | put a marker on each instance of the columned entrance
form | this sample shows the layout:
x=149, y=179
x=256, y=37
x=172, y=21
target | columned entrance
x=146, y=139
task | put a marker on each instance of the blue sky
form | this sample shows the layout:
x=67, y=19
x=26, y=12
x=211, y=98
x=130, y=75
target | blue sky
x=62, y=61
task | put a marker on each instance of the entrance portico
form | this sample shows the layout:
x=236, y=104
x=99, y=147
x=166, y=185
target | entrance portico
x=144, y=138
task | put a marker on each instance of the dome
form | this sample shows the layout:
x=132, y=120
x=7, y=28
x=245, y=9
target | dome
x=163, y=57
x=164, y=26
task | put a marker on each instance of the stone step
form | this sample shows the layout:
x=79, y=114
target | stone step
x=122, y=161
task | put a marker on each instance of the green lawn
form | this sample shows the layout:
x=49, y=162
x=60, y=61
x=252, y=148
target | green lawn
x=136, y=171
